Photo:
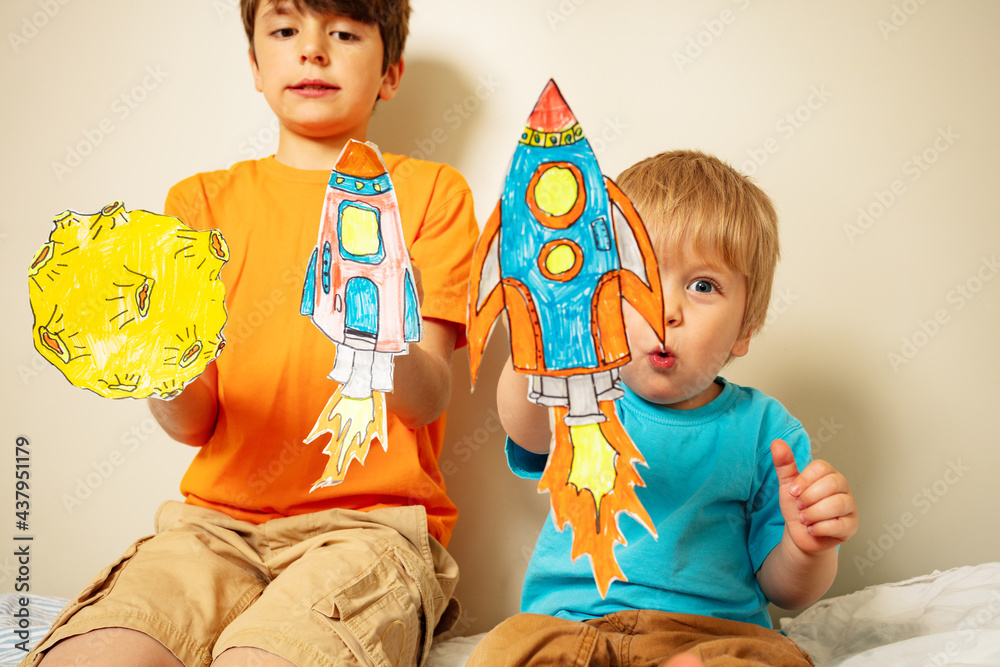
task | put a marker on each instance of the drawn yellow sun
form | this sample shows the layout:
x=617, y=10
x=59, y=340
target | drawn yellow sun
x=128, y=304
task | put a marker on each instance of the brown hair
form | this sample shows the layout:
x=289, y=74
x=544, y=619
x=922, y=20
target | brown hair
x=391, y=16
x=688, y=197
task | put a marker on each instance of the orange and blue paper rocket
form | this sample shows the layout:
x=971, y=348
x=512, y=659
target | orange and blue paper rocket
x=562, y=251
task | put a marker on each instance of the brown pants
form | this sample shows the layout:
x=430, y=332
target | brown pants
x=632, y=639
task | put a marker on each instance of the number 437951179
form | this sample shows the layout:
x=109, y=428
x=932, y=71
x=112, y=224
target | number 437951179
x=22, y=475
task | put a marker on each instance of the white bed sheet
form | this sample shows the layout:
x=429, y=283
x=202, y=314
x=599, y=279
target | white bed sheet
x=945, y=618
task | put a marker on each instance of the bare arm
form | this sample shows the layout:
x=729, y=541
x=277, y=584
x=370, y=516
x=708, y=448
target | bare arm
x=794, y=579
x=525, y=422
x=820, y=513
x=421, y=379
x=190, y=416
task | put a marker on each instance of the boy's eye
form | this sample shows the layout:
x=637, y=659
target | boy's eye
x=342, y=36
x=284, y=32
x=702, y=286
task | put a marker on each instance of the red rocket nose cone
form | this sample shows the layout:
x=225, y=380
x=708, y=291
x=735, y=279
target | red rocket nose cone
x=551, y=113
x=360, y=160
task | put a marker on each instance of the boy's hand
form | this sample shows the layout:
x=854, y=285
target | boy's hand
x=817, y=504
x=191, y=416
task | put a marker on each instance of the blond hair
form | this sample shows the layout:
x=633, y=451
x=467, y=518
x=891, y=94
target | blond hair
x=688, y=198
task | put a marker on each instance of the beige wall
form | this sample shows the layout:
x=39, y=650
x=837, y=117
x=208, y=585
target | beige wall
x=873, y=125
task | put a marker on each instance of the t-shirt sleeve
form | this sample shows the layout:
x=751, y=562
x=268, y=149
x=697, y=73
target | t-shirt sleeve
x=443, y=248
x=186, y=201
x=766, y=523
x=523, y=463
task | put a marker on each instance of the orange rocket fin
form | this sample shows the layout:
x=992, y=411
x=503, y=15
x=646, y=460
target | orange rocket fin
x=486, y=300
x=640, y=277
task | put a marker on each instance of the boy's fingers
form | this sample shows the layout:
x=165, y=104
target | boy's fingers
x=831, y=507
x=825, y=486
x=841, y=529
x=784, y=463
x=813, y=473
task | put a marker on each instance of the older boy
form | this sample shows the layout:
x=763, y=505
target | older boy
x=255, y=567
x=738, y=524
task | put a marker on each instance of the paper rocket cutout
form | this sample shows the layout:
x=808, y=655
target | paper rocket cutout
x=128, y=304
x=359, y=291
x=562, y=249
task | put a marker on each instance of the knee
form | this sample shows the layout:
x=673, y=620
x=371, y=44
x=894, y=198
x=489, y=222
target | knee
x=246, y=656
x=110, y=646
x=684, y=660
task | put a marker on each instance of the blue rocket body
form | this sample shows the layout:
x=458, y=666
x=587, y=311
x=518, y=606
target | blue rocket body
x=561, y=252
x=564, y=308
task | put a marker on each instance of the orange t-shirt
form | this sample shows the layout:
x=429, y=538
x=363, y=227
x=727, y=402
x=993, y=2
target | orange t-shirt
x=273, y=381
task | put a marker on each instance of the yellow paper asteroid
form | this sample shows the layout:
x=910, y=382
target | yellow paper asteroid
x=128, y=304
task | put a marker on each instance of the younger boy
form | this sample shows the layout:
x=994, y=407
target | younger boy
x=738, y=524
x=256, y=566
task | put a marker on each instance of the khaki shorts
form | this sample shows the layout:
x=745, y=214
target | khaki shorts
x=328, y=588
x=636, y=637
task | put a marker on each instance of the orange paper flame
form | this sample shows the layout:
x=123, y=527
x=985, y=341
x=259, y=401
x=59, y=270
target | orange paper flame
x=353, y=424
x=600, y=484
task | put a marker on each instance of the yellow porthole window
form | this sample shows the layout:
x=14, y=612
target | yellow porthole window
x=556, y=194
x=560, y=260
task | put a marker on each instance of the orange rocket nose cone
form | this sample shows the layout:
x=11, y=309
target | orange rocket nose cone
x=551, y=113
x=360, y=160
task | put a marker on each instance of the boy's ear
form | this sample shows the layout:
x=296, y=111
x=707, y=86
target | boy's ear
x=256, y=71
x=742, y=344
x=390, y=80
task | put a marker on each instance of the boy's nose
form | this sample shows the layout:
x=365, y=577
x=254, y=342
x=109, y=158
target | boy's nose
x=312, y=47
x=312, y=54
x=671, y=310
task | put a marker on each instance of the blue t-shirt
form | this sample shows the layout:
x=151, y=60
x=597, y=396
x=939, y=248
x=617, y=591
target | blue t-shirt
x=712, y=492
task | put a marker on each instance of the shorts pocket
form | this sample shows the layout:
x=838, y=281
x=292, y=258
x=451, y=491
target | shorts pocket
x=95, y=591
x=378, y=610
x=105, y=581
